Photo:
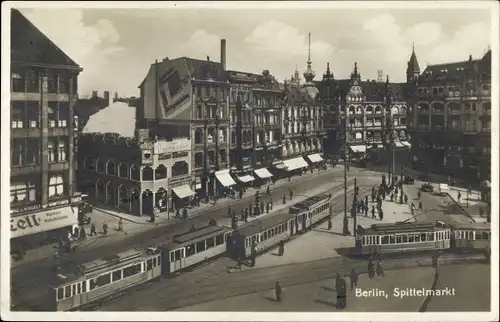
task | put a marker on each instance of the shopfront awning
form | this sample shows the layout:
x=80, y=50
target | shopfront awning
x=358, y=148
x=246, y=179
x=225, y=178
x=183, y=191
x=315, y=158
x=406, y=143
x=399, y=144
x=263, y=173
x=295, y=163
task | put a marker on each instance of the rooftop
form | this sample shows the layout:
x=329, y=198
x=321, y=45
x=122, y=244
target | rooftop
x=118, y=117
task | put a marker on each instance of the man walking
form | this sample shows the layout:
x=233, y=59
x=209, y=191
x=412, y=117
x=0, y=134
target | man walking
x=354, y=279
x=277, y=290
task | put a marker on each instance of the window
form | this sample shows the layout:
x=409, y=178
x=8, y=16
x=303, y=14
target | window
x=18, y=115
x=61, y=151
x=79, y=288
x=219, y=240
x=200, y=246
x=51, y=150
x=17, y=152
x=423, y=237
x=18, y=82
x=385, y=240
x=56, y=186
x=100, y=281
x=67, y=291
x=410, y=238
x=430, y=237
x=210, y=242
x=117, y=275
x=417, y=238
x=22, y=192
x=63, y=114
x=33, y=114
x=52, y=114
x=52, y=83
x=60, y=293
x=84, y=287
x=32, y=82
x=149, y=264
x=132, y=270
x=399, y=239
x=190, y=250
x=63, y=83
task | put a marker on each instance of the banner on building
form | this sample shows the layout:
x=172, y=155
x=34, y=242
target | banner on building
x=43, y=221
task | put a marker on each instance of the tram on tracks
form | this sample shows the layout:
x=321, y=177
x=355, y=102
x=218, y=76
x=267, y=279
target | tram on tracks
x=386, y=238
x=89, y=284
x=191, y=248
x=261, y=234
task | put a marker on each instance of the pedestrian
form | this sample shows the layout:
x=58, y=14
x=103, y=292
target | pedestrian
x=83, y=233
x=246, y=217
x=241, y=194
x=291, y=194
x=373, y=190
x=92, y=230
x=252, y=258
x=268, y=205
x=239, y=263
x=330, y=223
x=412, y=207
x=105, y=228
x=284, y=199
x=392, y=196
x=262, y=207
x=281, y=250
x=268, y=190
x=381, y=214
x=76, y=232
x=419, y=194
x=401, y=198
x=373, y=196
x=406, y=198
x=366, y=211
x=380, y=269
x=228, y=211
x=277, y=290
x=373, y=212
x=366, y=201
x=354, y=279
x=420, y=205
x=459, y=196
x=371, y=272
x=244, y=214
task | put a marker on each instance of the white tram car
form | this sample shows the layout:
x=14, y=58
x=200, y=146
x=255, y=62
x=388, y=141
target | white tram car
x=398, y=237
x=93, y=282
x=267, y=232
x=194, y=247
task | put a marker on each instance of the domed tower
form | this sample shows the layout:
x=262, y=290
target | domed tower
x=413, y=70
x=309, y=75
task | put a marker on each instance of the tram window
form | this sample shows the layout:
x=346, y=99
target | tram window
x=74, y=289
x=447, y=234
x=172, y=257
x=417, y=238
x=430, y=236
x=132, y=270
x=392, y=239
x=385, y=240
x=264, y=235
x=485, y=235
x=225, y=238
x=79, y=288
x=423, y=237
x=286, y=227
x=67, y=291
x=478, y=235
x=100, y=281
x=254, y=240
x=154, y=261
x=410, y=238
x=84, y=286
x=210, y=242
x=200, y=246
x=60, y=293
x=405, y=238
x=364, y=240
x=399, y=239
x=149, y=264
x=276, y=230
x=190, y=250
x=117, y=275
x=219, y=239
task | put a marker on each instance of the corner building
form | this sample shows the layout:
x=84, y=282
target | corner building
x=44, y=84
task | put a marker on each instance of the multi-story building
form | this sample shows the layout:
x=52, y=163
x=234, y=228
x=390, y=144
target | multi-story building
x=186, y=97
x=135, y=175
x=255, y=118
x=452, y=117
x=376, y=114
x=302, y=115
x=43, y=92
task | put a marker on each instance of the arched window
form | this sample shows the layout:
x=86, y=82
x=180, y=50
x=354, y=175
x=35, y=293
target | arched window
x=160, y=172
x=147, y=173
x=89, y=163
x=123, y=170
x=369, y=109
x=135, y=173
x=100, y=190
x=56, y=186
x=123, y=197
x=198, y=136
x=100, y=166
x=180, y=168
x=378, y=109
x=110, y=194
x=111, y=168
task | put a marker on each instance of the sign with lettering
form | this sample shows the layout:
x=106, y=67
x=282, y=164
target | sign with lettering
x=172, y=146
x=74, y=201
x=42, y=221
x=164, y=156
x=180, y=154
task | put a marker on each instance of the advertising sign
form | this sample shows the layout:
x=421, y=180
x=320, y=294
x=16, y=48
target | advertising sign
x=42, y=221
x=172, y=146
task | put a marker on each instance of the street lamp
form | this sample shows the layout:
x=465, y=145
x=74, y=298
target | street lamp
x=346, y=165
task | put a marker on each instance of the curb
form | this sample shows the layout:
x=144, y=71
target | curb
x=219, y=206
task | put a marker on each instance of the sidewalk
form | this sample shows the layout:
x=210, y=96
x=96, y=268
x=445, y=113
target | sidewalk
x=471, y=205
x=165, y=217
x=130, y=228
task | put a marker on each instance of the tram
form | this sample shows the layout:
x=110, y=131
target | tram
x=471, y=236
x=402, y=237
x=312, y=210
x=196, y=246
x=89, y=284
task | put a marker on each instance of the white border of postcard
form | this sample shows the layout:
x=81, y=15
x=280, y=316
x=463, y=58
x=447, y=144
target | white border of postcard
x=249, y=316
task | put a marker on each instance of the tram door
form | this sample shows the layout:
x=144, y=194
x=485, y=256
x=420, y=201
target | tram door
x=291, y=226
x=177, y=259
x=304, y=221
x=149, y=268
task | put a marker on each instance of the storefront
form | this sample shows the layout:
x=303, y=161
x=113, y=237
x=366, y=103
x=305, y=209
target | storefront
x=35, y=229
x=315, y=159
x=292, y=166
x=224, y=181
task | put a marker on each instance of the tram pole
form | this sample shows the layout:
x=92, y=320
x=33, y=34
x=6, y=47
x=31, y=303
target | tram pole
x=346, y=165
x=354, y=207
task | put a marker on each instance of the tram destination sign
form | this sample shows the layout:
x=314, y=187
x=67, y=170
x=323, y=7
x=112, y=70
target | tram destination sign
x=62, y=202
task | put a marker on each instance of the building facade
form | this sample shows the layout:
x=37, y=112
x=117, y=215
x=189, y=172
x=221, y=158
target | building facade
x=44, y=83
x=188, y=98
x=255, y=119
x=303, y=132
x=452, y=118
x=135, y=175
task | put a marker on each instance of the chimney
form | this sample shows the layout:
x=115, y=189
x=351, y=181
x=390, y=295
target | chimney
x=94, y=94
x=208, y=58
x=223, y=53
x=106, y=95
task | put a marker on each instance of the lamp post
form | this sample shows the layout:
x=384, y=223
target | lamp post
x=346, y=165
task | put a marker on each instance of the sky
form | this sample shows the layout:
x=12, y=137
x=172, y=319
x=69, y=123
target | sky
x=115, y=47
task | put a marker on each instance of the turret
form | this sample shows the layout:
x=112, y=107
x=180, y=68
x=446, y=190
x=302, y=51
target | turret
x=413, y=70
